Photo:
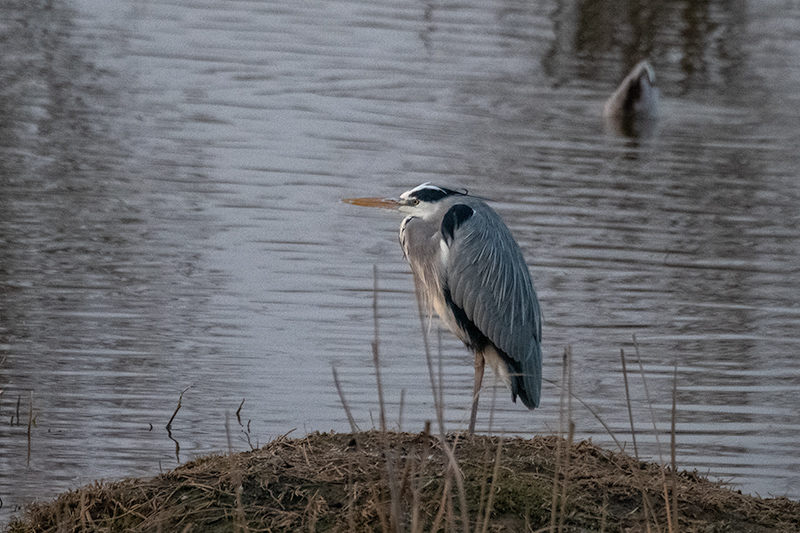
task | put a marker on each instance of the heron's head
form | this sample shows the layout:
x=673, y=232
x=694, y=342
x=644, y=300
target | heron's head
x=422, y=200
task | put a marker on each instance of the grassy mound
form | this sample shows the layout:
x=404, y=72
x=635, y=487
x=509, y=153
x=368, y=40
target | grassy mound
x=408, y=482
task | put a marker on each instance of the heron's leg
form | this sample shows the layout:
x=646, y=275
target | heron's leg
x=480, y=364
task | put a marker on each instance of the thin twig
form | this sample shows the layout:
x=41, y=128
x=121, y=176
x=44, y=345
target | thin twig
x=415, y=497
x=438, y=407
x=238, y=413
x=395, y=521
x=381, y=402
x=180, y=399
x=495, y=475
x=442, y=502
x=169, y=425
x=245, y=429
x=658, y=441
x=567, y=456
x=649, y=401
x=438, y=399
x=440, y=365
x=228, y=431
x=593, y=412
x=351, y=495
x=673, y=449
x=559, y=442
x=570, y=437
x=400, y=411
x=30, y=423
x=492, y=406
x=353, y=426
x=484, y=481
x=628, y=401
x=646, y=510
x=375, y=355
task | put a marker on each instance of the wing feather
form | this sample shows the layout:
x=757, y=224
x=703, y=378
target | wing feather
x=489, y=280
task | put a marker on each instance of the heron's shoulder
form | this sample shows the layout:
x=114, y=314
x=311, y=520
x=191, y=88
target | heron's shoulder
x=455, y=216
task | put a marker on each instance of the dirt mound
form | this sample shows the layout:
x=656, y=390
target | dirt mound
x=406, y=482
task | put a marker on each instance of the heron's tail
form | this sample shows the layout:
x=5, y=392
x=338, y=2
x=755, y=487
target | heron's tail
x=526, y=378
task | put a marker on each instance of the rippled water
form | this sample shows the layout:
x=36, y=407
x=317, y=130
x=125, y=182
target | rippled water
x=170, y=220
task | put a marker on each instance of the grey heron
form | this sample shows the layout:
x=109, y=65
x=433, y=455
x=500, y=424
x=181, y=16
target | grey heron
x=637, y=95
x=469, y=269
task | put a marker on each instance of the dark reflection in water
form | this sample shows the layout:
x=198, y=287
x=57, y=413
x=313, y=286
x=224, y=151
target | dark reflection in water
x=704, y=42
x=170, y=177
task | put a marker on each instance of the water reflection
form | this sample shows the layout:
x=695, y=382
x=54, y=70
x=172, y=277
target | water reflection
x=170, y=218
x=703, y=39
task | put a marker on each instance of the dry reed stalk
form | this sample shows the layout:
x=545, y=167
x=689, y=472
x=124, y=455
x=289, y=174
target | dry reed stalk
x=567, y=455
x=351, y=496
x=449, y=521
x=484, y=476
x=379, y=510
x=241, y=518
x=484, y=497
x=492, y=407
x=453, y=469
x=436, y=524
x=495, y=475
x=438, y=399
x=352, y=421
x=628, y=402
x=395, y=513
x=82, y=511
x=235, y=477
x=375, y=354
x=405, y=477
x=416, y=495
x=667, y=502
x=440, y=366
x=228, y=432
x=570, y=437
x=593, y=412
x=673, y=449
x=605, y=513
x=559, y=443
x=437, y=394
x=312, y=511
x=646, y=506
x=400, y=410
x=30, y=423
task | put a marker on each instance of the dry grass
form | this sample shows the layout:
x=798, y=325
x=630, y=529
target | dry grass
x=338, y=482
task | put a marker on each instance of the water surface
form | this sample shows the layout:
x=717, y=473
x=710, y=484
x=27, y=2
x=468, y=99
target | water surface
x=170, y=220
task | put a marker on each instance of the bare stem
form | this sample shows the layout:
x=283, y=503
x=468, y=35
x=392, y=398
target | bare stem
x=30, y=423
x=495, y=475
x=353, y=426
x=673, y=449
x=169, y=425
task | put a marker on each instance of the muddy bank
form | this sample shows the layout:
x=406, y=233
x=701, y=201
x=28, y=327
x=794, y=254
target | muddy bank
x=406, y=482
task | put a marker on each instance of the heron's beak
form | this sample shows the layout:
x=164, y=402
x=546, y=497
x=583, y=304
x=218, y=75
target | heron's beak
x=384, y=203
